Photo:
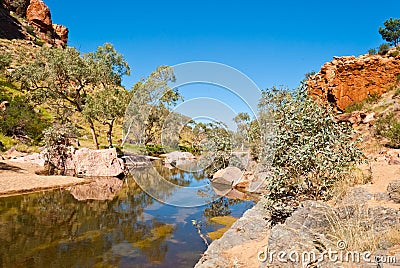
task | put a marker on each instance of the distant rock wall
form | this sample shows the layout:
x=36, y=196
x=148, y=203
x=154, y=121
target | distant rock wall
x=347, y=80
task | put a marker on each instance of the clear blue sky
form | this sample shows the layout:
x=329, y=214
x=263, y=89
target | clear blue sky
x=272, y=42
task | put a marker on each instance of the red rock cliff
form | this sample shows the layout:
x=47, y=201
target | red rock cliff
x=38, y=15
x=347, y=80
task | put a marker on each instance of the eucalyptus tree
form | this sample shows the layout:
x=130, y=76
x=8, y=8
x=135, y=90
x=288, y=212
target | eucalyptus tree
x=106, y=106
x=64, y=78
x=151, y=104
x=242, y=121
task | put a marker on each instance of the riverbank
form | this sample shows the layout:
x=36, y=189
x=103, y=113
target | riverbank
x=20, y=178
x=319, y=224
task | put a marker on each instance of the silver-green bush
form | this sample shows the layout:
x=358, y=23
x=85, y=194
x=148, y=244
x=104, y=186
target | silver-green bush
x=311, y=151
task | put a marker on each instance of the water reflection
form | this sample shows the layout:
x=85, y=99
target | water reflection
x=53, y=229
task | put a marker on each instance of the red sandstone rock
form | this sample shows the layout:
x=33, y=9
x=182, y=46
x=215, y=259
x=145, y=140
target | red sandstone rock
x=347, y=80
x=61, y=32
x=38, y=14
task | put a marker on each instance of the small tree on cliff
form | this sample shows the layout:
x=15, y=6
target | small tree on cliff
x=391, y=32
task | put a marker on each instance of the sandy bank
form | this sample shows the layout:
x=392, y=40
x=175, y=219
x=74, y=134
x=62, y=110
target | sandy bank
x=19, y=178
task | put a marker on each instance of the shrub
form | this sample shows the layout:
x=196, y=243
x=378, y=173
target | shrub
x=21, y=119
x=357, y=106
x=372, y=51
x=383, y=49
x=5, y=60
x=394, y=53
x=57, y=144
x=30, y=30
x=372, y=98
x=389, y=127
x=311, y=151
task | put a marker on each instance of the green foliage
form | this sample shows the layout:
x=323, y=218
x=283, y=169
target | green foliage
x=63, y=78
x=30, y=30
x=5, y=60
x=311, y=151
x=242, y=121
x=39, y=42
x=21, y=119
x=308, y=75
x=383, y=49
x=155, y=149
x=357, y=106
x=108, y=64
x=151, y=105
x=106, y=106
x=217, y=150
x=394, y=53
x=372, y=51
x=389, y=127
x=391, y=32
x=397, y=92
x=372, y=98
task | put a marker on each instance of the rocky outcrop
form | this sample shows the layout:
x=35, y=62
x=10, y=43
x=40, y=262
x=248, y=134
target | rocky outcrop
x=251, y=226
x=38, y=16
x=348, y=80
x=61, y=33
x=356, y=118
x=18, y=7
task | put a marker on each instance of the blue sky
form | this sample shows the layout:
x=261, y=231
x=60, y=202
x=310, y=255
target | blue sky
x=272, y=42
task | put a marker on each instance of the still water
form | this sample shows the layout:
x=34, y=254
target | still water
x=53, y=229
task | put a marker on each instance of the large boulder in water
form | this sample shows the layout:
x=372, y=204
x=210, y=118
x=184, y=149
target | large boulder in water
x=228, y=176
x=175, y=156
x=95, y=163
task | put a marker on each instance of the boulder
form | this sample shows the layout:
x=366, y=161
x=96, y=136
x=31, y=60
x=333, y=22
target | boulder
x=95, y=163
x=228, y=176
x=175, y=156
x=393, y=190
x=355, y=118
x=12, y=153
x=39, y=16
x=34, y=158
